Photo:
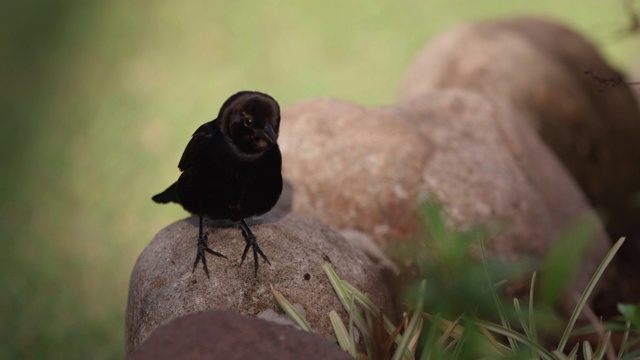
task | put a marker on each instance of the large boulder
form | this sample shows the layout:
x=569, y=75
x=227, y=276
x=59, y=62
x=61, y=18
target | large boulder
x=366, y=169
x=579, y=105
x=163, y=286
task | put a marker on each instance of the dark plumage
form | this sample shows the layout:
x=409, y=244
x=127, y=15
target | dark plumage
x=231, y=169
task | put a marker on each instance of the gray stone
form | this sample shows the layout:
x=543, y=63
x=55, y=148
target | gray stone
x=226, y=335
x=163, y=287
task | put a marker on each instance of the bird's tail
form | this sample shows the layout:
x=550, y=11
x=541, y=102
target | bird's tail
x=166, y=196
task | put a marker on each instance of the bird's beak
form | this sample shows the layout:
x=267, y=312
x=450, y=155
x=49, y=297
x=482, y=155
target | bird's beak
x=269, y=135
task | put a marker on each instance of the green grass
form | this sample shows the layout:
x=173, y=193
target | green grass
x=98, y=100
x=503, y=331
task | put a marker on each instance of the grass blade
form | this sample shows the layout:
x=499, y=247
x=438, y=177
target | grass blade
x=533, y=329
x=459, y=344
x=587, y=351
x=336, y=284
x=523, y=321
x=364, y=300
x=431, y=344
x=403, y=348
x=413, y=341
x=345, y=340
x=494, y=294
x=451, y=330
x=290, y=310
x=540, y=351
x=574, y=352
x=602, y=348
x=587, y=292
x=348, y=302
x=624, y=345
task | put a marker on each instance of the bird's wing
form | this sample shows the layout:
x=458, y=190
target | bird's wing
x=194, y=148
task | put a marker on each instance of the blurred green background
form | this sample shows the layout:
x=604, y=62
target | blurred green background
x=99, y=99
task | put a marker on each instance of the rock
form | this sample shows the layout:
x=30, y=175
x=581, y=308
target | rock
x=163, y=287
x=365, y=169
x=353, y=167
x=226, y=335
x=579, y=105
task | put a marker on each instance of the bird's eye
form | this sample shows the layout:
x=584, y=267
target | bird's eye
x=248, y=120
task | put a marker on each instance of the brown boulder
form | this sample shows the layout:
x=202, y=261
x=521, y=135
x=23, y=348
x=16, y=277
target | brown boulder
x=226, y=335
x=366, y=169
x=579, y=105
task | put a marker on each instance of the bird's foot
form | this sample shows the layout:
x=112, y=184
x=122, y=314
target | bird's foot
x=203, y=248
x=253, y=243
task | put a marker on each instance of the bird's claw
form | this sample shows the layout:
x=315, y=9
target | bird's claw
x=253, y=243
x=201, y=256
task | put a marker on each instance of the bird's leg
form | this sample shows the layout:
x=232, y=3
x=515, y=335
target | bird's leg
x=203, y=247
x=251, y=243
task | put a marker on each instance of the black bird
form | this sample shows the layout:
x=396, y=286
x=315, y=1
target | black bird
x=231, y=169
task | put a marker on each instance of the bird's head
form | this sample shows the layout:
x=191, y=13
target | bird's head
x=251, y=120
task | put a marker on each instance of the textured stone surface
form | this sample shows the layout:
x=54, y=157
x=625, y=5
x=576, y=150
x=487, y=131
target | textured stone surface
x=163, y=287
x=353, y=167
x=539, y=66
x=226, y=335
x=366, y=169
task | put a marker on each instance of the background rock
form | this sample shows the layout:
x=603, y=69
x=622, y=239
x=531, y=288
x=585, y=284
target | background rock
x=163, y=287
x=579, y=105
x=353, y=167
x=225, y=335
x=366, y=169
